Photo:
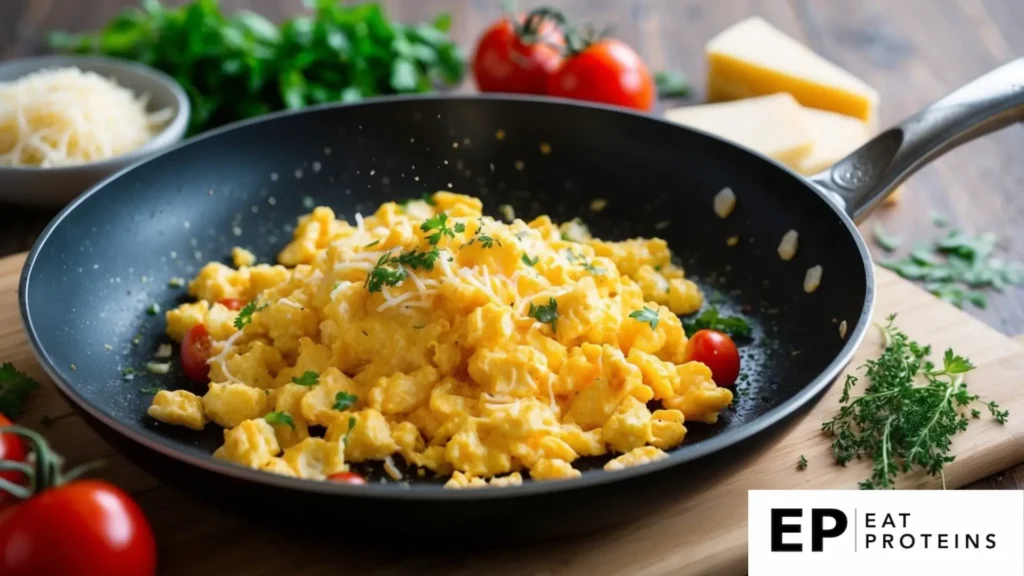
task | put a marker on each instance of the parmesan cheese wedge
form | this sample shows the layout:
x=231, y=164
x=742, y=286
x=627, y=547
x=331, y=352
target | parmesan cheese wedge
x=835, y=136
x=753, y=58
x=773, y=125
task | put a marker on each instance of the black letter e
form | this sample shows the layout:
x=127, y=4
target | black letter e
x=778, y=529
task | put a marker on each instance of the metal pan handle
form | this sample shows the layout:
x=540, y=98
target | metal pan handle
x=864, y=178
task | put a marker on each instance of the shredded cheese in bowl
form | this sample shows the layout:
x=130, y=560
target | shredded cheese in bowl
x=66, y=116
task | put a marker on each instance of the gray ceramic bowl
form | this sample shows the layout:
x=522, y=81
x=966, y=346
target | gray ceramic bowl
x=55, y=187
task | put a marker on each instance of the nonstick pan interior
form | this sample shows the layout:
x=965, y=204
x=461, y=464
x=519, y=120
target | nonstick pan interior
x=110, y=256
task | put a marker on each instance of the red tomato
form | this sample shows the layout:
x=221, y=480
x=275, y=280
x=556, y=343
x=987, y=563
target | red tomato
x=517, y=58
x=12, y=449
x=195, y=351
x=607, y=71
x=232, y=303
x=718, y=352
x=346, y=478
x=85, y=528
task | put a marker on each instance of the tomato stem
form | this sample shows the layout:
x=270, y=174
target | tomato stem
x=47, y=469
x=579, y=39
x=532, y=31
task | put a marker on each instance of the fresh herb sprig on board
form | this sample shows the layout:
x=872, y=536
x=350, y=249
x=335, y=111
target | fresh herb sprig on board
x=908, y=413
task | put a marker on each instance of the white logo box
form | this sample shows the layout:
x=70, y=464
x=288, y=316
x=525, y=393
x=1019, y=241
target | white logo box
x=908, y=533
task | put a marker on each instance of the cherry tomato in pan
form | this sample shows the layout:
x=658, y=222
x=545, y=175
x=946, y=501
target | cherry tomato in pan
x=232, y=303
x=195, y=351
x=347, y=478
x=716, y=351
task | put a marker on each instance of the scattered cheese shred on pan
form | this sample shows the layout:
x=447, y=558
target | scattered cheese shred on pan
x=725, y=202
x=788, y=245
x=813, y=279
x=64, y=116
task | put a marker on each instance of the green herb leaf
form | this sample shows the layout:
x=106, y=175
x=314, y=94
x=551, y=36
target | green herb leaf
x=153, y=309
x=438, y=224
x=710, y=319
x=672, y=84
x=244, y=317
x=547, y=314
x=372, y=244
x=351, y=427
x=280, y=418
x=343, y=401
x=308, y=378
x=595, y=270
x=387, y=272
x=885, y=240
x=647, y=315
x=460, y=227
x=15, y=386
x=529, y=261
x=152, y=390
x=488, y=242
x=801, y=464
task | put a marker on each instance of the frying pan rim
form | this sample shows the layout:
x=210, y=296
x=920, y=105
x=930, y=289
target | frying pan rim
x=414, y=492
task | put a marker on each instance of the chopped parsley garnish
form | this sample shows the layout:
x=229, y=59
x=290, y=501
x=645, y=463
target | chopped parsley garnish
x=351, y=427
x=280, y=417
x=460, y=227
x=429, y=199
x=646, y=315
x=15, y=386
x=308, y=378
x=957, y=267
x=488, y=242
x=899, y=423
x=244, y=317
x=153, y=309
x=387, y=272
x=885, y=241
x=801, y=464
x=372, y=244
x=344, y=401
x=547, y=314
x=439, y=225
x=176, y=282
x=710, y=319
x=152, y=390
x=595, y=270
x=417, y=260
x=530, y=261
x=128, y=373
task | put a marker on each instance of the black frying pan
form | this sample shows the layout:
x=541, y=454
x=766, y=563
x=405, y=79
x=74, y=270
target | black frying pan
x=108, y=255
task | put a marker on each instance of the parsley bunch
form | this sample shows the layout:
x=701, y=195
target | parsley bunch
x=15, y=386
x=909, y=412
x=239, y=65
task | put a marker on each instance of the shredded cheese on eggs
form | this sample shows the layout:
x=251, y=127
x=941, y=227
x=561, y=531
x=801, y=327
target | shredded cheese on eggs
x=464, y=345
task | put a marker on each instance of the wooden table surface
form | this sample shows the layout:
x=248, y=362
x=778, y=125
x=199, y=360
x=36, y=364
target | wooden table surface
x=912, y=51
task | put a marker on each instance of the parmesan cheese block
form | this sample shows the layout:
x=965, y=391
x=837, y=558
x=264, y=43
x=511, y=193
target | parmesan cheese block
x=835, y=136
x=773, y=125
x=752, y=58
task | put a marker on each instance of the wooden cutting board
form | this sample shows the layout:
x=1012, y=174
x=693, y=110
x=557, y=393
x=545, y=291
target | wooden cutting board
x=704, y=532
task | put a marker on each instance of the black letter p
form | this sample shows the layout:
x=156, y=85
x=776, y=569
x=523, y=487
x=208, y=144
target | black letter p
x=818, y=532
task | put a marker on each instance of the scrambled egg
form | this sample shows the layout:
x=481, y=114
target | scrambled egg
x=463, y=345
